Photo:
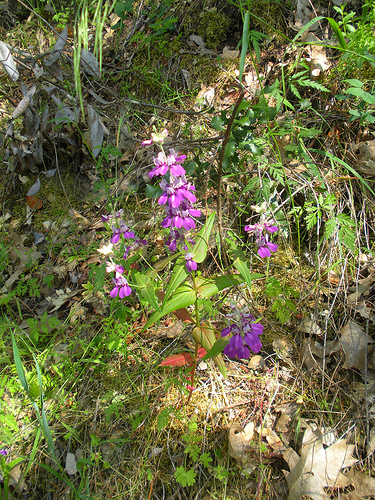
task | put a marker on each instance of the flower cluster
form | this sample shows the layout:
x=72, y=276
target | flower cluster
x=245, y=333
x=261, y=230
x=121, y=288
x=178, y=199
x=120, y=233
x=119, y=228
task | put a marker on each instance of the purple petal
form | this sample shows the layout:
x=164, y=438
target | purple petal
x=115, y=238
x=194, y=212
x=191, y=265
x=163, y=199
x=272, y=246
x=226, y=331
x=271, y=229
x=243, y=353
x=264, y=252
x=113, y=293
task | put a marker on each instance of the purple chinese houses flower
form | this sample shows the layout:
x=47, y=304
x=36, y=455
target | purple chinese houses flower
x=245, y=334
x=261, y=230
x=178, y=198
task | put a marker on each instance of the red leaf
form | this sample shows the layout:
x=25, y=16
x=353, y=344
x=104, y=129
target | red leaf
x=34, y=202
x=183, y=359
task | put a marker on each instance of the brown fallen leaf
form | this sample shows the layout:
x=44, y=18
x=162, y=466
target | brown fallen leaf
x=317, y=468
x=364, y=486
x=239, y=439
x=354, y=343
x=34, y=202
x=272, y=439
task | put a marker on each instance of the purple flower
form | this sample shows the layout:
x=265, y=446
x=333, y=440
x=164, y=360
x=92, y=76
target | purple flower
x=117, y=215
x=245, y=334
x=136, y=243
x=122, y=288
x=178, y=198
x=191, y=265
x=121, y=229
x=261, y=230
x=4, y=453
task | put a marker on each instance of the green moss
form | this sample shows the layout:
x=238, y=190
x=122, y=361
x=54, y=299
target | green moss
x=213, y=28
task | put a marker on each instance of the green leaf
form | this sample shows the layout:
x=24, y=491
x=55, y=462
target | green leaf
x=229, y=151
x=354, y=82
x=205, y=459
x=207, y=287
x=185, y=477
x=19, y=367
x=365, y=96
x=184, y=296
x=217, y=348
x=242, y=267
x=146, y=290
x=9, y=421
x=205, y=335
x=339, y=34
x=200, y=249
x=245, y=43
x=217, y=124
x=179, y=275
x=153, y=191
x=307, y=27
x=163, y=418
x=239, y=262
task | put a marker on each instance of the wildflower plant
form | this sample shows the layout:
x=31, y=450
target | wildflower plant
x=188, y=248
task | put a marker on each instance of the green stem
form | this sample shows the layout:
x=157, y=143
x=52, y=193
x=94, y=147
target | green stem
x=192, y=377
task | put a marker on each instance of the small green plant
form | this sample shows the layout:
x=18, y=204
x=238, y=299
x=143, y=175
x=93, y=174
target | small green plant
x=365, y=101
x=282, y=294
x=193, y=450
x=336, y=224
x=292, y=83
x=42, y=327
x=27, y=286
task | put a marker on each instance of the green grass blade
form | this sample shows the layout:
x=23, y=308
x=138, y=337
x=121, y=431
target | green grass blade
x=44, y=422
x=339, y=34
x=245, y=42
x=19, y=367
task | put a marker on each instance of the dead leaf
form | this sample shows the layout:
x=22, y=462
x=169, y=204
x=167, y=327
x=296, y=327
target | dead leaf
x=314, y=352
x=318, y=57
x=70, y=464
x=317, y=467
x=272, y=439
x=364, y=486
x=256, y=362
x=96, y=131
x=89, y=63
x=7, y=61
x=239, y=439
x=309, y=326
x=24, y=103
x=51, y=58
x=283, y=348
x=154, y=452
x=366, y=157
x=34, y=202
x=230, y=54
x=354, y=343
x=16, y=480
